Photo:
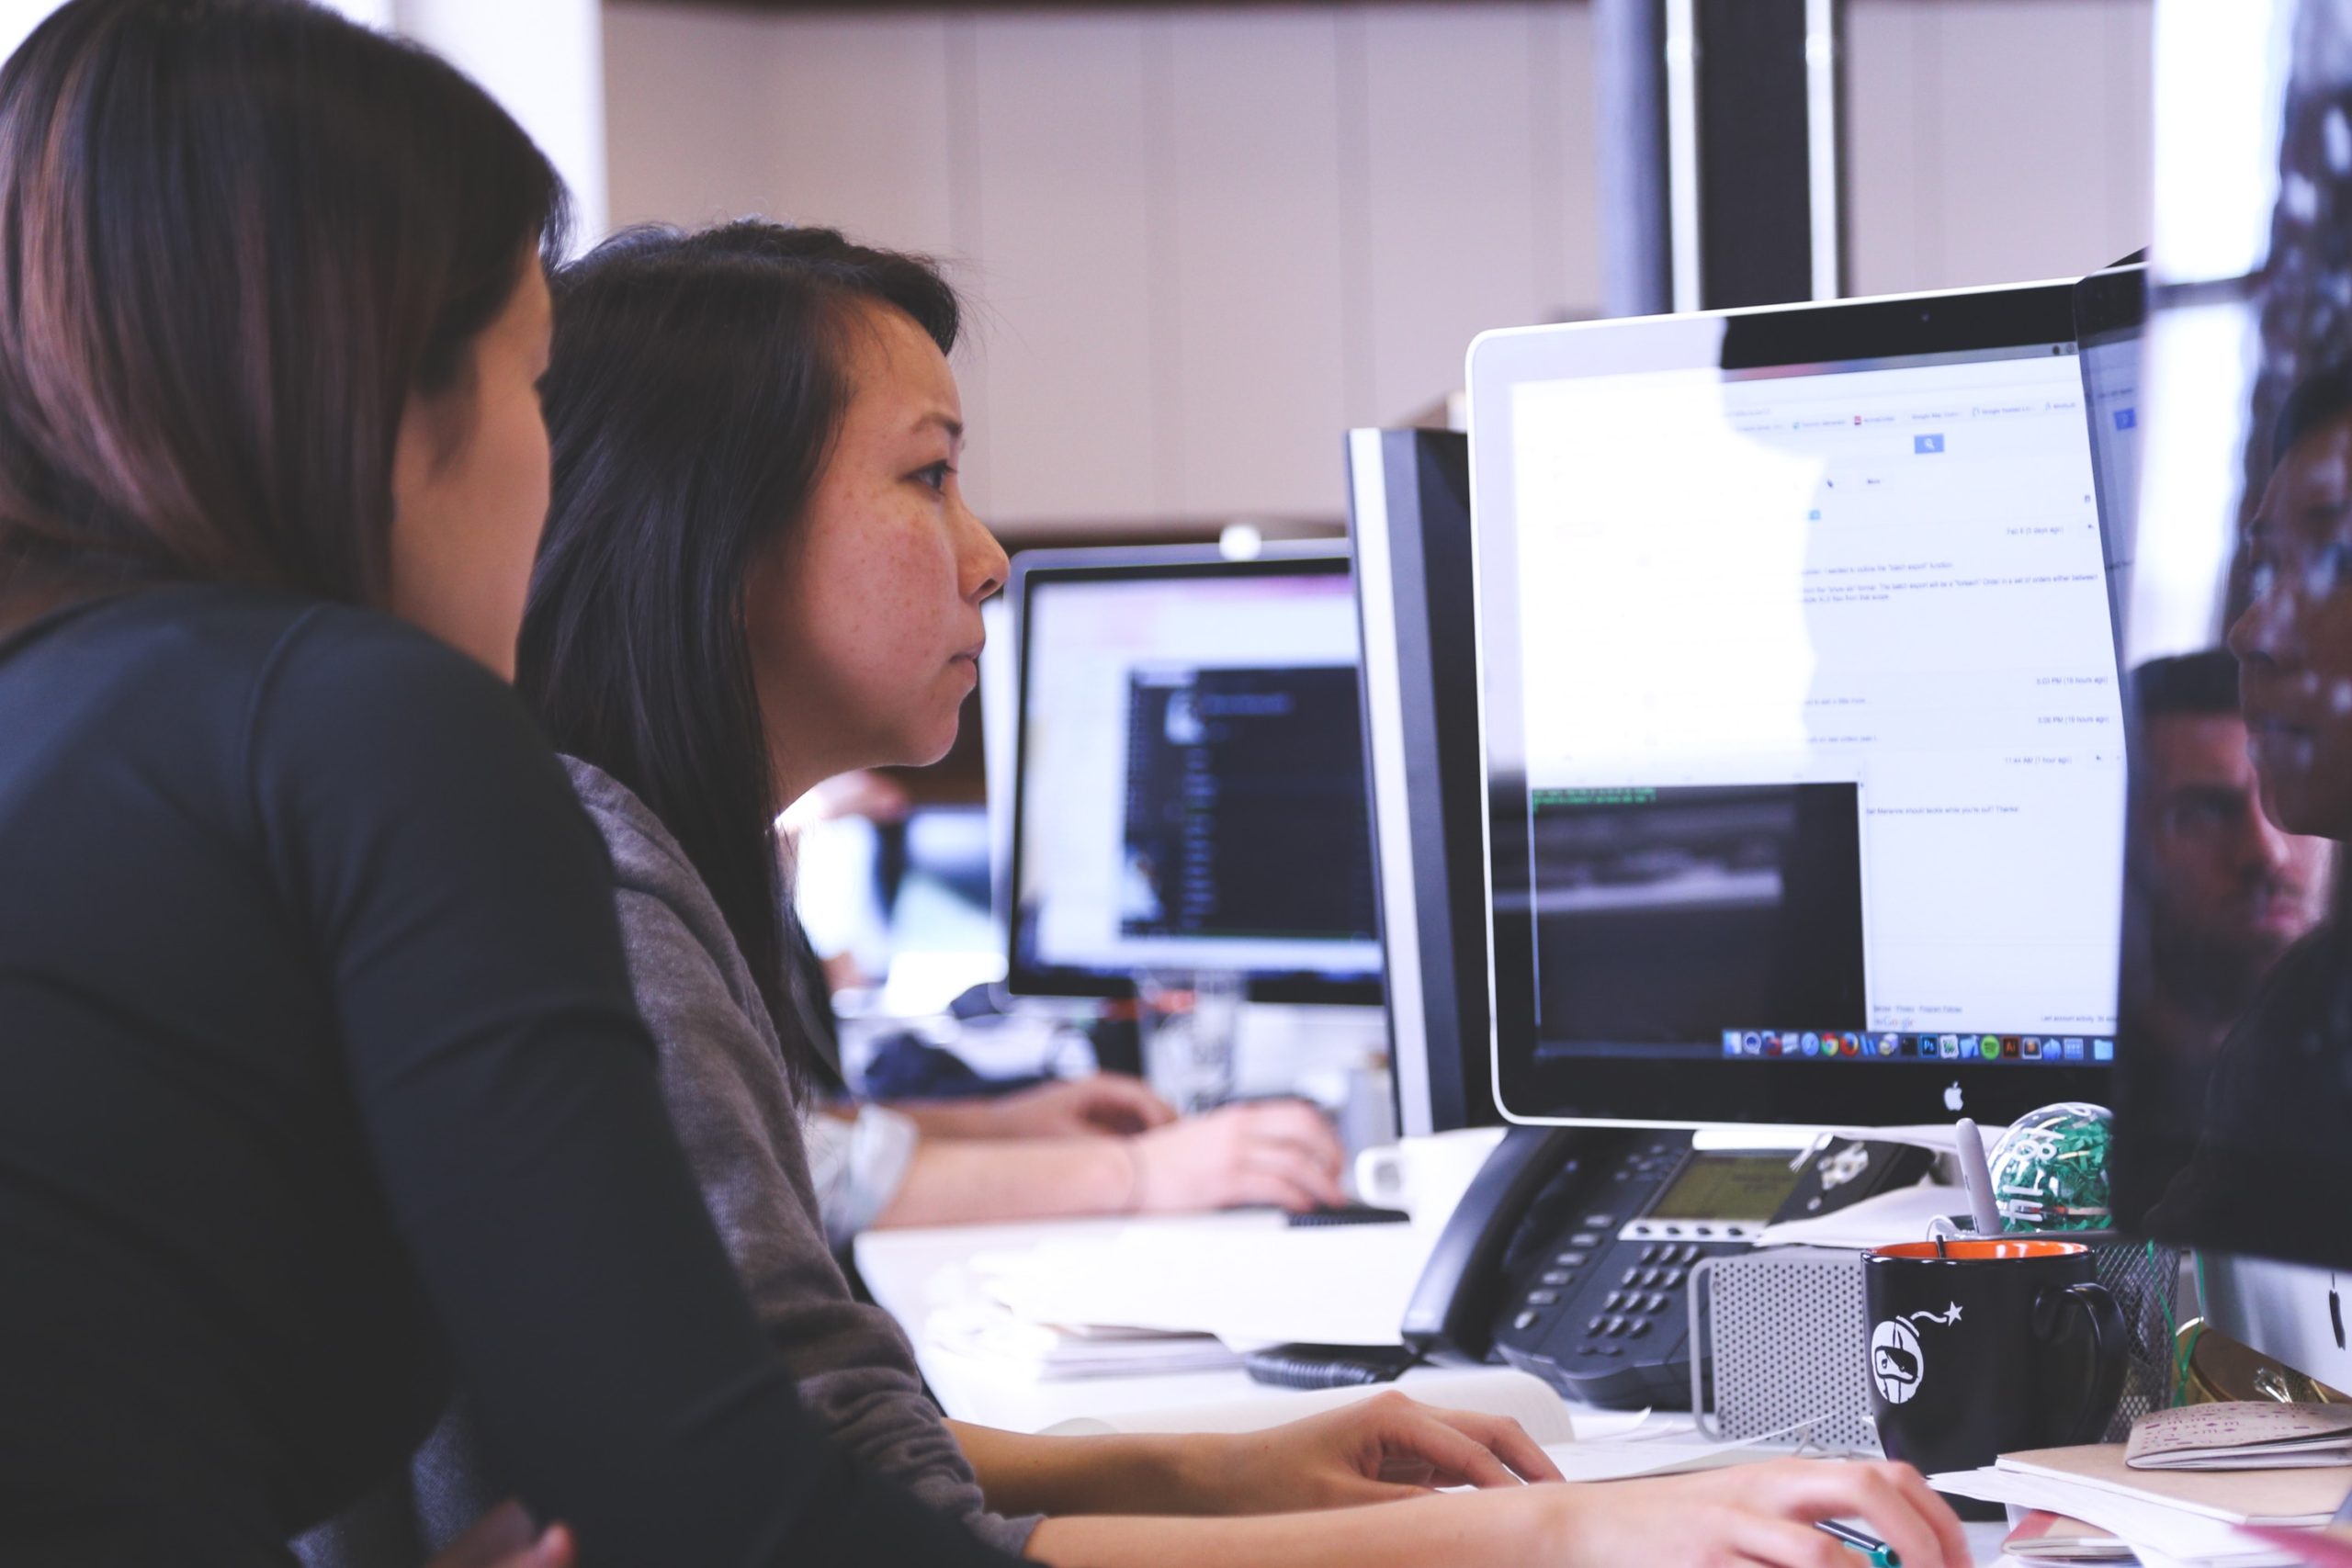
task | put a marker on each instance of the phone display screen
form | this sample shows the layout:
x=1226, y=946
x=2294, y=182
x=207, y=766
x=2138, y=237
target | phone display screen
x=1726, y=1187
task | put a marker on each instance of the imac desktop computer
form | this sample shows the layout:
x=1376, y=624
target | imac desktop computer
x=2233, y=1116
x=1188, y=776
x=1408, y=519
x=1802, y=732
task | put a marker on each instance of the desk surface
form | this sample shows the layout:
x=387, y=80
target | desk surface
x=910, y=1270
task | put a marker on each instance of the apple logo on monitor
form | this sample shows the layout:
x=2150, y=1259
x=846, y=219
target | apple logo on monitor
x=1953, y=1100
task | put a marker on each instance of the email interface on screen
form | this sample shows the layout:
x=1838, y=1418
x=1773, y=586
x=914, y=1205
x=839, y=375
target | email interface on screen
x=1823, y=737
x=1193, y=777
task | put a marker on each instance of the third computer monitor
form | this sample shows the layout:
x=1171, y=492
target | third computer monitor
x=1189, y=783
x=1806, y=753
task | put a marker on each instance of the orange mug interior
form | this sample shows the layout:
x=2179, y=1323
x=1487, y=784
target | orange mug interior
x=1978, y=1251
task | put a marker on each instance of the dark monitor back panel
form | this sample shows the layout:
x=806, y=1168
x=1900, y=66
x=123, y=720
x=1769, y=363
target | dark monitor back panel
x=1410, y=510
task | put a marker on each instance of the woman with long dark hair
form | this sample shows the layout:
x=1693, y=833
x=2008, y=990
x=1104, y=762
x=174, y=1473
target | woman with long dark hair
x=321, y=1087
x=759, y=573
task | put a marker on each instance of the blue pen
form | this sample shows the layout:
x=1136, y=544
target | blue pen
x=1869, y=1546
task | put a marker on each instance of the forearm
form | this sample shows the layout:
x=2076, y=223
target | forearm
x=951, y=1118
x=1026, y=1178
x=1469, y=1528
x=1122, y=1474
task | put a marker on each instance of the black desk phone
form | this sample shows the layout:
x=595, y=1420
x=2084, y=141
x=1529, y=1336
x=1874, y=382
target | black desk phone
x=1570, y=1254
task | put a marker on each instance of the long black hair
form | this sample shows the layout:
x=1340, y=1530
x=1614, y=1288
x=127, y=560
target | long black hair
x=697, y=385
x=235, y=239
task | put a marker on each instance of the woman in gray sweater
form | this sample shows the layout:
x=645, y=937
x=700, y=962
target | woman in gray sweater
x=759, y=573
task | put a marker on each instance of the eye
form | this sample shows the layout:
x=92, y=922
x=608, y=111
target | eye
x=2261, y=576
x=2334, y=568
x=934, y=476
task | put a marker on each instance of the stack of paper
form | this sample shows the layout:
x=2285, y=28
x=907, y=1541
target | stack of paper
x=2168, y=1517
x=2250, y=1435
x=1048, y=1351
x=2044, y=1536
x=1344, y=1285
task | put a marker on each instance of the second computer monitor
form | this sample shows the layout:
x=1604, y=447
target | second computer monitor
x=1806, y=749
x=1190, y=788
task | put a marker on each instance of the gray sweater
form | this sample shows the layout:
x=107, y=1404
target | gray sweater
x=738, y=1114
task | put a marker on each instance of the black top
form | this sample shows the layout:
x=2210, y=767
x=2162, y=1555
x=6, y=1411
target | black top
x=320, y=1085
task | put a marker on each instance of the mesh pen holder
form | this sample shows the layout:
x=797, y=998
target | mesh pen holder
x=1779, y=1336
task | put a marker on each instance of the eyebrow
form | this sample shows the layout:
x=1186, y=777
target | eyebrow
x=954, y=427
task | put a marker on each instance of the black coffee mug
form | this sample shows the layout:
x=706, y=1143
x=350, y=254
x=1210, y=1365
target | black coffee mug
x=1978, y=1348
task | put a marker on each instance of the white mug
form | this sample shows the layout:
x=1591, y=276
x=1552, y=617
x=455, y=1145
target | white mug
x=1424, y=1176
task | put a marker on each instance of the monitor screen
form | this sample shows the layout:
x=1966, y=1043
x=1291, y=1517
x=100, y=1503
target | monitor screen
x=1805, y=745
x=1190, y=782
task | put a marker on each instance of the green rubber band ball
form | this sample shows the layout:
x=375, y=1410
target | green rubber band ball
x=2050, y=1169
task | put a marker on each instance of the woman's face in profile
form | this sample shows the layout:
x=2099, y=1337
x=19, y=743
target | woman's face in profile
x=864, y=621
x=2294, y=640
x=470, y=486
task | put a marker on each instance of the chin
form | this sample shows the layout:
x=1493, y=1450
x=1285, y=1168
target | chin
x=923, y=749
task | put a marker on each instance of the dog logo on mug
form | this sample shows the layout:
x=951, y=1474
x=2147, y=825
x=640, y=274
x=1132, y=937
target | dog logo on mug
x=1897, y=1361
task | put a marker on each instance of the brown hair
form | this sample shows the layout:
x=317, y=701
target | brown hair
x=235, y=237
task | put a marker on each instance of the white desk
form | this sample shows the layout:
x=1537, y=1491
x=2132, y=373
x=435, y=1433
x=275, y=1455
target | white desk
x=906, y=1271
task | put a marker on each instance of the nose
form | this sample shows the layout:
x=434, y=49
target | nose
x=982, y=566
x=2264, y=633
x=2262, y=849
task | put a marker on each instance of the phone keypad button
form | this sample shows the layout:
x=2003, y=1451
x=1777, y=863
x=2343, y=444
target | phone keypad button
x=1594, y=1327
x=1633, y=1275
x=1543, y=1298
x=1599, y=1222
x=1524, y=1320
x=1584, y=1238
x=1557, y=1276
x=1655, y=1303
x=1635, y=1330
x=1570, y=1259
x=1690, y=1254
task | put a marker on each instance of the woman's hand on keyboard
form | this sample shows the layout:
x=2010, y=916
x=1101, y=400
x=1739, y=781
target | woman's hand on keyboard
x=1379, y=1450
x=1759, y=1514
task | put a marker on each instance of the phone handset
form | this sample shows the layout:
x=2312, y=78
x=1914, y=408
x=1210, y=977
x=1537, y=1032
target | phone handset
x=1451, y=1317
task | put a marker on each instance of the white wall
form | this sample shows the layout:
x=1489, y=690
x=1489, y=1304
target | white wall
x=542, y=59
x=1996, y=141
x=1203, y=242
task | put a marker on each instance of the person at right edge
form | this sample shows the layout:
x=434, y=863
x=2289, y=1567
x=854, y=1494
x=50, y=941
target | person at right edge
x=2281, y=1082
